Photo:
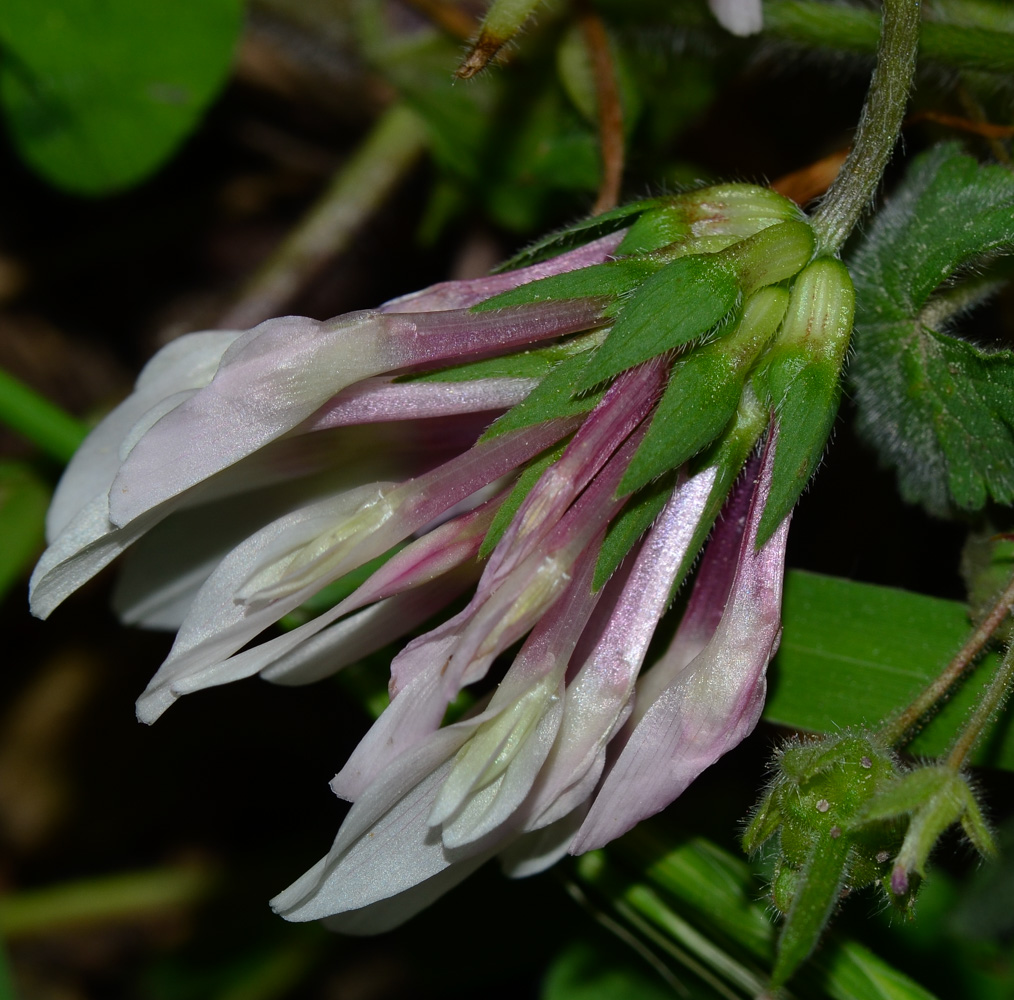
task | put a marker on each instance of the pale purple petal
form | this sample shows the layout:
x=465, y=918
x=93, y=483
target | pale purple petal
x=278, y=374
x=378, y=400
x=710, y=705
x=385, y=846
x=540, y=849
x=623, y=408
x=82, y=549
x=598, y=697
x=464, y=294
x=349, y=640
x=426, y=560
x=90, y=542
x=406, y=723
x=708, y=598
x=531, y=690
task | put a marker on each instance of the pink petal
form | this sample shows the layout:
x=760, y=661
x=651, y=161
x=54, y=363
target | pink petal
x=598, y=697
x=377, y=400
x=710, y=705
x=464, y=294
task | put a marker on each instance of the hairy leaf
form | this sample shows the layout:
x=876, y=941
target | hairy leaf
x=938, y=408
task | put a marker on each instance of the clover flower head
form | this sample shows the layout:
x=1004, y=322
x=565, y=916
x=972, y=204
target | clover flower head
x=656, y=383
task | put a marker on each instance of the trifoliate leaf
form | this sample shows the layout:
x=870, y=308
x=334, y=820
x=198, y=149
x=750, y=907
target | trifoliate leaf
x=684, y=300
x=938, y=408
x=98, y=95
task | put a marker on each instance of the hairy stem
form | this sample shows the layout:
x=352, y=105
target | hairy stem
x=898, y=730
x=979, y=721
x=856, y=184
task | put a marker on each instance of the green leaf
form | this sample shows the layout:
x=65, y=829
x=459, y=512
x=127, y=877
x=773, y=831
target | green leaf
x=23, y=502
x=852, y=653
x=52, y=429
x=938, y=408
x=853, y=972
x=99, y=93
x=582, y=972
x=683, y=301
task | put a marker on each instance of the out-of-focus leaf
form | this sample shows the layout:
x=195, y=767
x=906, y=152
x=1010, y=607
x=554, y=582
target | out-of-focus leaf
x=582, y=972
x=853, y=972
x=98, y=93
x=937, y=407
x=852, y=653
x=23, y=502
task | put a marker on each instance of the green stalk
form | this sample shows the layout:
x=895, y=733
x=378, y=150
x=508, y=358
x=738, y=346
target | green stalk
x=984, y=713
x=819, y=24
x=899, y=730
x=857, y=182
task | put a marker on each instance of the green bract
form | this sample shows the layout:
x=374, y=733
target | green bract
x=813, y=805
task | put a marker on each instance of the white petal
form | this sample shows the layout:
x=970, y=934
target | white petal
x=84, y=547
x=536, y=851
x=186, y=363
x=269, y=380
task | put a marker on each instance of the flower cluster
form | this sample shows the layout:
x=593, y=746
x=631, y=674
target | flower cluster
x=673, y=376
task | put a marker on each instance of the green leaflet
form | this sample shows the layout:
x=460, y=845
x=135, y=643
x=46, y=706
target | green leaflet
x=98, y=95
x=684, y=300
x=938, y=408
x=852, y=653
